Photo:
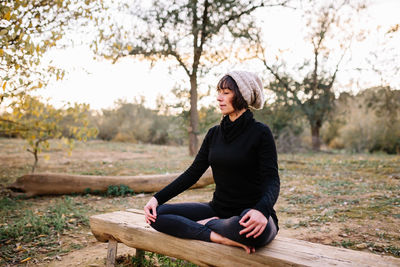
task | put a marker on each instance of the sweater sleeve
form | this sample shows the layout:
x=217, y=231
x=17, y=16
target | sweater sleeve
x=190, y=176
x=268, y=161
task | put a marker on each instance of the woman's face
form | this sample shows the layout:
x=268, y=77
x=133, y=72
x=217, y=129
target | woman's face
x=224, y=99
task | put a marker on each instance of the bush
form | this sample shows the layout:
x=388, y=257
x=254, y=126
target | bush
x=119, y=190
x=286, y=125
x=367, y=122
x=132, y=122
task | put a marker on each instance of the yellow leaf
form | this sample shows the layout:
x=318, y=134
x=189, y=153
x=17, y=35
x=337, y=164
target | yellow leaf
x=129, y=48
x=1, y=52
x=7, y=16
x=4, y=86
x=25, y=260
x=46, y=157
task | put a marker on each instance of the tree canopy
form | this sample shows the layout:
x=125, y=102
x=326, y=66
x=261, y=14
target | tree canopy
x=29, y=28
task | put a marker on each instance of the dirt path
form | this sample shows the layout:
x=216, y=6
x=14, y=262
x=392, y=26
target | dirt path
x=93, y=255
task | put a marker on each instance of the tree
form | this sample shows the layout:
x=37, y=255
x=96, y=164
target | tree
x=37, y=123
x=194, y=34
x=28, y=28
x=313, y=94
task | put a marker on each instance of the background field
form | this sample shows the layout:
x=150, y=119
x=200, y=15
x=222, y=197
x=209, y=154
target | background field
x=348, y=200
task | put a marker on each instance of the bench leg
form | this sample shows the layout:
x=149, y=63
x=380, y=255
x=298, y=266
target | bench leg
x=111, y=252
x=139, y=256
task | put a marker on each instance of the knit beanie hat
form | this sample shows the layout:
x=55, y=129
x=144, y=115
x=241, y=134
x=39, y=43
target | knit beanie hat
x=250, y=86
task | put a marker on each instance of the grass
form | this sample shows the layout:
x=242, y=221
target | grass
x=346, y=200
x=152, y=259
x=27, y=231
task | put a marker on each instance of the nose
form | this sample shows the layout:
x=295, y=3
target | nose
x=219, y=97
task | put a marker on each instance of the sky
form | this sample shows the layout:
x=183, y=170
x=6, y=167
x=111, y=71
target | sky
x=100, y=83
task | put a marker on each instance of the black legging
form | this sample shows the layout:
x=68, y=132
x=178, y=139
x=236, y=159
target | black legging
x=180, y=220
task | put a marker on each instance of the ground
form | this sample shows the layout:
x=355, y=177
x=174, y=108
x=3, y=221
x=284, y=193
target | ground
x=347, y=200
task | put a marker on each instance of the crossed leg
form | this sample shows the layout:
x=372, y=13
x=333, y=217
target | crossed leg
x=199, y=221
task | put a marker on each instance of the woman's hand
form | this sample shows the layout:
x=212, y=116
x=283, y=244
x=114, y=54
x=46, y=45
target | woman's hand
x=254, y=223
x=150, y=210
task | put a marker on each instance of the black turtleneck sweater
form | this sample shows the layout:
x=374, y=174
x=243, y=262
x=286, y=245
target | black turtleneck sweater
x=243, y=159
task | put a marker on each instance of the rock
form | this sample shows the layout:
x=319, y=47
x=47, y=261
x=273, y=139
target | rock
x=361, y=246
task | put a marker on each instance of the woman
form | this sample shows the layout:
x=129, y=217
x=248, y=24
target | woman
x=242, y=155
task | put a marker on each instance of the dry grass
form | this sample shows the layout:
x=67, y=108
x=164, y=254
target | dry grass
x=349, y=200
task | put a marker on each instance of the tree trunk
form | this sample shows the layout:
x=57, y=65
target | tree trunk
x=194, y=117
x=316, y=143
x=35, y=154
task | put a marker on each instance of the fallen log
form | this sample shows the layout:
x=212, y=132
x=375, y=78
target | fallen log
x=58, y=184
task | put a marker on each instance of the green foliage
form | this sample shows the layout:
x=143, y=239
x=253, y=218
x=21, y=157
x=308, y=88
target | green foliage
x=94, y=192
x=37, y=122
x=119, y=190
x=152, y=259
x=112, y=191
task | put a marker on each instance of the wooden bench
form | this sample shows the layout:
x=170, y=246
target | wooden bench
x=129, y=227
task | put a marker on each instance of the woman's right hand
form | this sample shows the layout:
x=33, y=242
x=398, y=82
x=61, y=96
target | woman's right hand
x=150, y=210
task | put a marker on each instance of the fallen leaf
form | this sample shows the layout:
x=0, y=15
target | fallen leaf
x=25, y=260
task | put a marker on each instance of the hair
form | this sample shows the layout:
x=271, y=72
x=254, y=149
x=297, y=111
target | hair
x=238, y=102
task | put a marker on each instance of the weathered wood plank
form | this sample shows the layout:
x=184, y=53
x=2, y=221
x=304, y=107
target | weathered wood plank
x=130, y=228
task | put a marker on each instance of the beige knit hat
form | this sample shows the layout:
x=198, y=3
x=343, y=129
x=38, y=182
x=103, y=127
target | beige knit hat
x=250, y=86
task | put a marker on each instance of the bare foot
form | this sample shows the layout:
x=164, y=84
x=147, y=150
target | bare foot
x=203, y=222
x=217, y=238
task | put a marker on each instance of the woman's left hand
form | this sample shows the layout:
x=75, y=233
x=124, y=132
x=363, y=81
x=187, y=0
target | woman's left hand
x=254, y=223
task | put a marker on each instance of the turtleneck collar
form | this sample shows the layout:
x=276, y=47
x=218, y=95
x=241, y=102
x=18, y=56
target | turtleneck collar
x=232, y=129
